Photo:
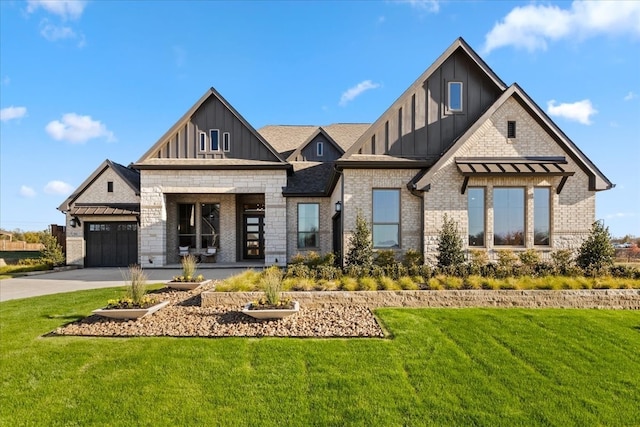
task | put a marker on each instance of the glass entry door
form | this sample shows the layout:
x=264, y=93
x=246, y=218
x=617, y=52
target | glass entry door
x=253, y=239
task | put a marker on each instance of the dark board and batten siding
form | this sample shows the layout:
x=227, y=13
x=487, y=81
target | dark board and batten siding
x=419, y=125
x=213, y=114
x=310, y=152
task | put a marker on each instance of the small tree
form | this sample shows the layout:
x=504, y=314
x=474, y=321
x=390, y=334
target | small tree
x=449, y=244
x=360, y=246
x=52, y=252
x=596, y=253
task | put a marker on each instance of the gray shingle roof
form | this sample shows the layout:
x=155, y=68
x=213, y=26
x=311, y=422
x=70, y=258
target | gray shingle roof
x=308, y=178
x=287, y=138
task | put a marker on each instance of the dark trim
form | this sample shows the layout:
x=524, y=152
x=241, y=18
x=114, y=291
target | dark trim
x=382, y=164
x=292, y=194
x=464, y=185
x=283, y=166
x=563, y=181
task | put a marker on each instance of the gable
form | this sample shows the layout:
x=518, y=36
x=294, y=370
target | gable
x=319, y=147
x=536, y=136
x=211, y=130
x=95, y=189
x=418, y=124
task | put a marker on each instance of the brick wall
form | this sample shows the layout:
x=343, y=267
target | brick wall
x=572, y=212
x=156, y=185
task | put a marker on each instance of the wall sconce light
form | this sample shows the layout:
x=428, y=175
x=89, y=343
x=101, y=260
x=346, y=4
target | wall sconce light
x=338, y=206
x=74, y=222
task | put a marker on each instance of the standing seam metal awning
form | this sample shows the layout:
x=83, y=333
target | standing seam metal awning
x=513, y=166
x=106, y=210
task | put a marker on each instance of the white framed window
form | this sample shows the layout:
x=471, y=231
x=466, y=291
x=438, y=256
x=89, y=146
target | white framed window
x=203, y=141
x=226, y=142
x=215, y=139
x=454, y=96
x=320, y=148
x=386, y=218
x=308, y=225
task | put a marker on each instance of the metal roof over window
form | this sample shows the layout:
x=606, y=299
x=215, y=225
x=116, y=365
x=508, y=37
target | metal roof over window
x=114, y=209
x=514, y=166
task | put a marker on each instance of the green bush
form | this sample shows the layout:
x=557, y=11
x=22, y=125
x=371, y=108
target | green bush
x=412, y=258
x=52, y=252
x=299, y=270
x=562, y=261
x=449, y=244
x=387, y=284
x=271, y=284
x=348, y=283
x=360, y=247
x=529, y=258
x=328, y=272
x=596, y=253
x=385, y=258
x=407, y=283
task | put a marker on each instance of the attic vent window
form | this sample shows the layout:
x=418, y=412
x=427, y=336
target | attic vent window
x=511, y=129
x=320, y=148
x=215, y=139
x=455, y=96
x=109, y=186
x=203, y=141
x=226, y=142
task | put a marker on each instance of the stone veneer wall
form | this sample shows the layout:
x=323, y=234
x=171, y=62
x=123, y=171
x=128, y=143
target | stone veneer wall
x=97, y=193
x=157, y=184
x=325, y=232
x=572, y=211
x=588, y=298
x=358, y=196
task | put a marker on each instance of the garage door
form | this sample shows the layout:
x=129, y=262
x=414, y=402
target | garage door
x=111, y=244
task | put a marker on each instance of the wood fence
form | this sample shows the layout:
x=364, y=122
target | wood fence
x=6, y=245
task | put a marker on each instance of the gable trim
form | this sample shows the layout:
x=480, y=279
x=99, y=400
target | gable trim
x=187, y=116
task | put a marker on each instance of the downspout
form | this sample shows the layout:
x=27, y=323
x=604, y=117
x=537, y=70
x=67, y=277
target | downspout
x=340, y=173
x=411, y=186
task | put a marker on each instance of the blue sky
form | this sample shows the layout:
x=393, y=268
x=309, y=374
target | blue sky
x=84, y=81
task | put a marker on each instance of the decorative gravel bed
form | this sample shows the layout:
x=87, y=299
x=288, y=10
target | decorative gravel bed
x=184, y=317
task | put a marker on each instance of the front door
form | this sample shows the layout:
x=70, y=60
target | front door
x=253, y=237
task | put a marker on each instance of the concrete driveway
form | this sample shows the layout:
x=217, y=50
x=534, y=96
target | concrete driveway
x=89, y=278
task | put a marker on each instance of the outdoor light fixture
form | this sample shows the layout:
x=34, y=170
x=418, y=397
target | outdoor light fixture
x=74, y=222
x=338, y=206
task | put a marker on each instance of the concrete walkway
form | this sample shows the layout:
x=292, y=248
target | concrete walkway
x=89, y=278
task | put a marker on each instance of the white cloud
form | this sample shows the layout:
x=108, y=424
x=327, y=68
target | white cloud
x=11, y=113
x=580, y=111
x=66, y=9
x=532, y=26
x=351, y=93
x=432, y=6
x=54, y=32
x=630, y=96
x=77, y=129
x=27, y=191
x=58, y=187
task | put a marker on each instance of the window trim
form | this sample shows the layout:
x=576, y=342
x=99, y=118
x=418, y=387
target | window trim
x=320, y=148
x=203, y=141
x=484, y=216
x=226, y=142
x=511, y=123
x=549, y=214
x=449, y=85
x=298, y=232
x=399, y=223
x=217, y=139
x=524, y=215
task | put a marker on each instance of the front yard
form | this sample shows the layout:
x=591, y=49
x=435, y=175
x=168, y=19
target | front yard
x=438, y=367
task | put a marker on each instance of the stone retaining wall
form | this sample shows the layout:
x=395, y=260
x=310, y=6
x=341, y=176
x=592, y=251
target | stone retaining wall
x=628, y=299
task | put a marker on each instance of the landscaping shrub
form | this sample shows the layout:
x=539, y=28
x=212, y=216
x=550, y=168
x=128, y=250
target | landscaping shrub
x=387, y=284
x=385, y=258
x=395, y=270
x=562, y=261
x=368, y=284
x=596, y=253
x=507, y=261
x=449, y=244
x=360, y=247
x=300, y=271
x=348, y=283
x=472, y=282
x=407, y=283
x=357, y=271
x=479, y=258
x=327, y=285
x=412, y=258
x=52, y=252
x=328, y=272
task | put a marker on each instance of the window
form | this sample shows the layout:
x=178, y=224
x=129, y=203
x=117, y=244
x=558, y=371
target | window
x=508, y=216
x=541, y=216
x=386, y=218
x=109, y=186
x=210, y=225
x=511, y=129
x=308, y=225
x=215, y=139
x=475, y=212
x=455, y=96
x=203, y=141
x=320, y=148
x=187, y=225
x=226, y=142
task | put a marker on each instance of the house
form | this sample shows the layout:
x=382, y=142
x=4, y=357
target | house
x=458, y=141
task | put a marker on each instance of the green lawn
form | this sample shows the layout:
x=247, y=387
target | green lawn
x=442, y=367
